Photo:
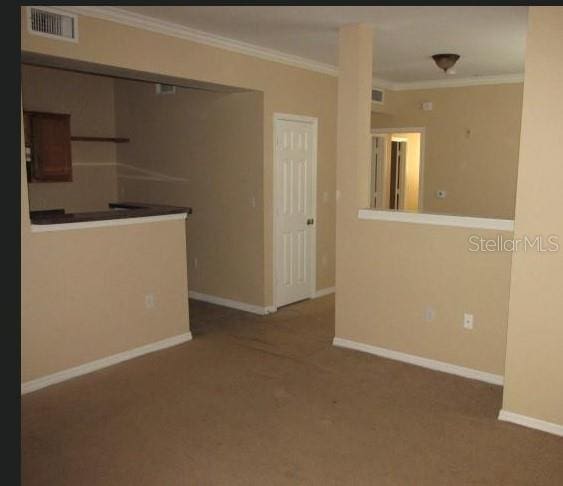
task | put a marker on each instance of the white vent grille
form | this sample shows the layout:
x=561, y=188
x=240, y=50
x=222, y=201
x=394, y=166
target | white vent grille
x=377, y=96
x=164, y=89
x=48, y=22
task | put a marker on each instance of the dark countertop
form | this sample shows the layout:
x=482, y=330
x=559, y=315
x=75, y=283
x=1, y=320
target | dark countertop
x=117, y=211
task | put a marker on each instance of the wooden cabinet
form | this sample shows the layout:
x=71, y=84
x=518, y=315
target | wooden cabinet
x=47, y=139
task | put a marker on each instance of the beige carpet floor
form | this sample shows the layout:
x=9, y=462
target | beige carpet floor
x=267, y=400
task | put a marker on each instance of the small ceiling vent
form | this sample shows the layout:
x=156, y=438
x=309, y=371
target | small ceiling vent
x=377, y=95
x=52, y=23
x=165, y=89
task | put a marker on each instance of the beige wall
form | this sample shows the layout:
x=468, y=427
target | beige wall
x=90, y=102
x=286, y=89
x=471, y=145
x=83, y=291
x=388, y=273
x=83, y=295
x=213, y=142
x=396, y=270
x=534, y=361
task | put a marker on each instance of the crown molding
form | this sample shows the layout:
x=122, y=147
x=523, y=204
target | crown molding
x=131, y=19
x=168, y=28
x=455, y=82
x=383, y=83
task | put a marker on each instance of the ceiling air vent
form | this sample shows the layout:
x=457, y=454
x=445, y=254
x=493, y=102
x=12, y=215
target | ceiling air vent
x=377, y=96
x=164, y=89
x=52, y=23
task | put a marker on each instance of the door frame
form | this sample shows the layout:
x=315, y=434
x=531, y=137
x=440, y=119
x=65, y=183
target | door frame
x=381, y=170
x=422, y=131
x=403, y=171
x=314, y=122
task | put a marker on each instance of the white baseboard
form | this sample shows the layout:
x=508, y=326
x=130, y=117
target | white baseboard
x=419, y=361
x=233, y=304
x=38, y=383
x=254, y=309
x=323, y=292
x=531, y=422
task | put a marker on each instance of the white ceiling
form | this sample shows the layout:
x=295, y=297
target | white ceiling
x=490, y=40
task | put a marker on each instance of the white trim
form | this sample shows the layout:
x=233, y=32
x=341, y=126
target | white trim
x=420, y=361
x=175, y=30
x=30, y=386
x=458, y=83
x=323, y=292
x=315, y=126
x=531, y=422
x=41, y=228
x=398, y=130
x=436, y=219
x=144, y=22
x=298, y=118
x=60, y=11
x=379, y=83
x=233, y=304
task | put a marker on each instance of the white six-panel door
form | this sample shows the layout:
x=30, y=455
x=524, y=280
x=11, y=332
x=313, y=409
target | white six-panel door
x=295, y=173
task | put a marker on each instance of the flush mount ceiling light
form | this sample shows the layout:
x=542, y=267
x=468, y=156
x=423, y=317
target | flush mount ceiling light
x=445, y=61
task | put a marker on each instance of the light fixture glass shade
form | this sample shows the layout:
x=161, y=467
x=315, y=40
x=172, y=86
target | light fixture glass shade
x=445, y=61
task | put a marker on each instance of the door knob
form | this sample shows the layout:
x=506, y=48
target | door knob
x=310, y=221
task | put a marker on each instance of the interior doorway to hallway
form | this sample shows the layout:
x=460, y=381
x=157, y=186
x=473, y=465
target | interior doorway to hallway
x=397, y=168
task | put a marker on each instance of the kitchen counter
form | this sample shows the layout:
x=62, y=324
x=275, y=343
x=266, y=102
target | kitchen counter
x=116, y=212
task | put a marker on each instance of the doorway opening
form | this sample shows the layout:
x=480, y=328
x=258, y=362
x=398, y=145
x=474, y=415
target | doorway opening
x=397, y=168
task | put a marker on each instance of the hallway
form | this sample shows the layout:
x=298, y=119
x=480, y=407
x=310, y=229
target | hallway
x=256, y=400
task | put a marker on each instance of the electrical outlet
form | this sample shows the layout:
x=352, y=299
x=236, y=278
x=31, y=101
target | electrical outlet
x=426, y=106
x=195, y=263
x=149, y=301
x=468, y=321
x=429, y=314
x=441, y=194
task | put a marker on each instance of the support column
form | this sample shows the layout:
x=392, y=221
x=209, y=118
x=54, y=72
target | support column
x=355, y=61
x=533, y=389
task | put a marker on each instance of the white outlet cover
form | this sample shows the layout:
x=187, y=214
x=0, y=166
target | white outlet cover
x=427, y=106
x=429, y=314
x=468, y=321
x=149, y=301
